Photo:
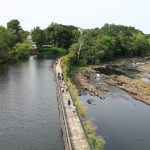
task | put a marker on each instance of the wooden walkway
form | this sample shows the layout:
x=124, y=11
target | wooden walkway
x=77, y=135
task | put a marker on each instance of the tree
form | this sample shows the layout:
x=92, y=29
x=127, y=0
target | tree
x=38, y=37
x=15, y=25
x=22, y=50
x=109, y=42
x=61, y=35
x=7, y=38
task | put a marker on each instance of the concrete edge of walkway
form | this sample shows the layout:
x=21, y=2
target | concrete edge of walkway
x=80, y=118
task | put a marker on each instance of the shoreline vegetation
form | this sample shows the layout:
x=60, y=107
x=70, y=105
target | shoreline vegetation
x=138, y=89
x=97, y=141
x=14, y=44
x=81, y=48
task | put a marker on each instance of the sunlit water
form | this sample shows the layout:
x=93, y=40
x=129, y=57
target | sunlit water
x=28, y=108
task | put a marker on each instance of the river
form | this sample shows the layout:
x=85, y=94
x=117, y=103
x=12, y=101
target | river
x=29, y=117
x=123, y=121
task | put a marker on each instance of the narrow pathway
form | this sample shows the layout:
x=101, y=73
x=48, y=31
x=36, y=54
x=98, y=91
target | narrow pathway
x=77, y=135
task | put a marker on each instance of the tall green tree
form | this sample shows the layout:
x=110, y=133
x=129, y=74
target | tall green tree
x=7, y=38
x=12, y=42
x=14, y=24
x=38, y=37
x=20, y=33
x=61, y=35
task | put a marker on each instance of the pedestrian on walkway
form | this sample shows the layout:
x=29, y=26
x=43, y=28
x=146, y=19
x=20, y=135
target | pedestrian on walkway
x=58, y=76
x=56, y=62
x=73, y=109
x=63, y=82
x=62, y=76
x=69, y=103
x=66, y=89
x=62, y=89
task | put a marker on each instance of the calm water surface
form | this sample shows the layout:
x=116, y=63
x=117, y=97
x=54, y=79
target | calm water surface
x=124, y=124
x=28, y=108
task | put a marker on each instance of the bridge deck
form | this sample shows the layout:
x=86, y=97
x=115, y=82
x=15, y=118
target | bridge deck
x=77, y=135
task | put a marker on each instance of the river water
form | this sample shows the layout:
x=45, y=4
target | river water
x=123, y=121
x=29, y=117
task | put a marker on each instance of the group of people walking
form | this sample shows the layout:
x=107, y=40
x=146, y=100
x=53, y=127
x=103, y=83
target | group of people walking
x=64, y=87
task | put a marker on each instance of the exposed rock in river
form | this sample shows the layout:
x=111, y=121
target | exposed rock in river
x=145, y=67
x=84, y=83
x=90, y=101
x=138, y=89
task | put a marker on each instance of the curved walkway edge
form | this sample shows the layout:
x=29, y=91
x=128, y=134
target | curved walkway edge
x=73, y=133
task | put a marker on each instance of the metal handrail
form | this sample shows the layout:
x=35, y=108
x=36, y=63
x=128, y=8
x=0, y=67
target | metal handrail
x=64, y=116
x=67, y=137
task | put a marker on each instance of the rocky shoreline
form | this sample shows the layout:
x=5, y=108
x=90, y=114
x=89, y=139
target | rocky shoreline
x=86, y=85
x=145, y=68
x=138, y=89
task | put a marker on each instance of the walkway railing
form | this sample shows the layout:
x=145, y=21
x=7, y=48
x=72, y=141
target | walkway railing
x=80, y=118
x=63, y=117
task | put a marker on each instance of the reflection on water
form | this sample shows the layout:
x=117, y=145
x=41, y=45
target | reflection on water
x=28, y=107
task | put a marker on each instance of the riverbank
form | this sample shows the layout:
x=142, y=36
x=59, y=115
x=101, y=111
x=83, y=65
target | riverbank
x=97, y=141
x=136, y=88
x=145, y=68
x=139, y=90
x=85, y=84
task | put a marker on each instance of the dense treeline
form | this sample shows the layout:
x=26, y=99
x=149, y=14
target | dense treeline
x=109, y=42
x=86, y=47
x=55, y=35
x=13, y=42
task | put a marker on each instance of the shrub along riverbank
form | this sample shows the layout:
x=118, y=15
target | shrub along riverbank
x=97, y=141
x=20, y=51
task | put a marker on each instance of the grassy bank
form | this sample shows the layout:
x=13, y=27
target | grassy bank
x=68, y=71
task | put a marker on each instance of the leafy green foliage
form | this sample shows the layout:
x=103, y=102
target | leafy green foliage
x=55, y=35
x=61, y=35
x=109, y=42
x=7, y=38
x=96, y=45
x=97, y=142
x=22, y=50
x=12, y=42
x=38, y=37
x=14, y=24
x=21, y=35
